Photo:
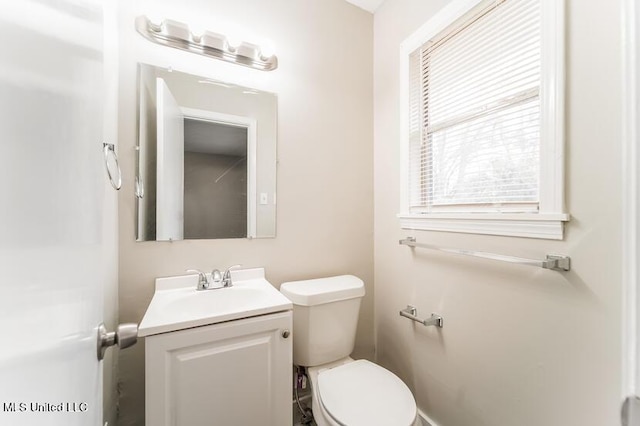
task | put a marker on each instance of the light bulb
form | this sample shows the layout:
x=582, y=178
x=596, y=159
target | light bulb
x=197, y=30
x=155, y=18
x=266, y=51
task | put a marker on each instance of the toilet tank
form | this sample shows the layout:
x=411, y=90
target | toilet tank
x=325, y=317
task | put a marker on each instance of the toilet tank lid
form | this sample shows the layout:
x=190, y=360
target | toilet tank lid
x=323, y=290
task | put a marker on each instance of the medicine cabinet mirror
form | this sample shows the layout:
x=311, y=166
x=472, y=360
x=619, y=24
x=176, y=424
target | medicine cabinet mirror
x=206, y=158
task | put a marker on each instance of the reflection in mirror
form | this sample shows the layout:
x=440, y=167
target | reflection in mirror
x=206, y=158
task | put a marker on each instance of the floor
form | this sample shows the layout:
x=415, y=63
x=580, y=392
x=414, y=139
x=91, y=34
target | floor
x=305, y=401
x=297, y=417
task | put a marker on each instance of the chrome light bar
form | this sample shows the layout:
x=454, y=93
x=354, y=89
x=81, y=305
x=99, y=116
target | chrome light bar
x=178, y=35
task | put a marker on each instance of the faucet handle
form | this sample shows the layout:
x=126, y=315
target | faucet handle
x=227, y=273
x=226, y=278
x=203, y=281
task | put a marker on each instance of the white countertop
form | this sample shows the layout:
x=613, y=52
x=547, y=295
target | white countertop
x=177, y=305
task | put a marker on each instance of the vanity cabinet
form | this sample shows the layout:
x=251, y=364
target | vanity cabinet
x=232, y=373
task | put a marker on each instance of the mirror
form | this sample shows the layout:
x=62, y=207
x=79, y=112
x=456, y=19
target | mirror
x=206, y=158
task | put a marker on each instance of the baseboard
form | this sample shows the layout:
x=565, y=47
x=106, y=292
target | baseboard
x=426, y=421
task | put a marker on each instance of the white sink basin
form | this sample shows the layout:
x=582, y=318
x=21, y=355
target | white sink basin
x=177, y=305
x=202, y=303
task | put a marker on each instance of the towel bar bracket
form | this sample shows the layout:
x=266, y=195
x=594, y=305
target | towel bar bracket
x=557, y=262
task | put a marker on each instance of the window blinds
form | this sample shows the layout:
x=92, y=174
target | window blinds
x=474, y=122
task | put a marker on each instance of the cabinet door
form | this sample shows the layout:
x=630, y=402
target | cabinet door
x=234, y=373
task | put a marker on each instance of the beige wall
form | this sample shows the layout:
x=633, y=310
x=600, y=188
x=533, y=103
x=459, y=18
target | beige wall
x=325, y=194
x=520, y=345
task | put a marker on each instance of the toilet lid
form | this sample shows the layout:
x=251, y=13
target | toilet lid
x=362, y=393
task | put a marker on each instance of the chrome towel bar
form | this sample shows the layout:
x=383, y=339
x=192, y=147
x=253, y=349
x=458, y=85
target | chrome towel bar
x=411, y=312
x=555, y=262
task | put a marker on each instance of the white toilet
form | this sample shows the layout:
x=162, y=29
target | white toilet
x=344, y=392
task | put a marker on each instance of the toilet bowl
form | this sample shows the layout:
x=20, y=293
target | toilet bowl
x=344, y=392
x=358, y=393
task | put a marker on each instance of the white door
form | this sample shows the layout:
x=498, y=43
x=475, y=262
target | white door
x=630, y=412
x=53, y=192
x=170, y=166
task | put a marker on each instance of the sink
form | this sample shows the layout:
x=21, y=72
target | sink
x=201, y=303
x=177, y=305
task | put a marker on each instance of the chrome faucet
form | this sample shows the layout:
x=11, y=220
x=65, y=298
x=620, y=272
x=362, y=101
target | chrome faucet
x=218, y=279
x=226, y=277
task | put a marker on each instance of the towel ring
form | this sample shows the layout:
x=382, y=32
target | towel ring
x=110, y=148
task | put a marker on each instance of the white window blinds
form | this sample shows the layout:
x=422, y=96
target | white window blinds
x=474, y=123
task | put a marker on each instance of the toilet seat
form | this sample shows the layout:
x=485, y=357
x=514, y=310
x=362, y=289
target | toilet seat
x=361, y=393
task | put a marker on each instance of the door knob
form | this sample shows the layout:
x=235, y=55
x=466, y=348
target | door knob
x=125, y=335
x=286, y=333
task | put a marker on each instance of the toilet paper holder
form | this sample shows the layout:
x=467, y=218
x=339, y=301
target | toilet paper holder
x=412, y=313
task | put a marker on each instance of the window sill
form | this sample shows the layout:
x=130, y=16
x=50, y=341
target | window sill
x=548, y=226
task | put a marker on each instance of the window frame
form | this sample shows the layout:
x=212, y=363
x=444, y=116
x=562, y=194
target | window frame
x=548, y=222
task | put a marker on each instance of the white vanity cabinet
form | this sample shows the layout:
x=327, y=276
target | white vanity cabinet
x=227, y=374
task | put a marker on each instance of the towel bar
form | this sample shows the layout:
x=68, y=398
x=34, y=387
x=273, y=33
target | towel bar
x=555, y=262
x=411, y=312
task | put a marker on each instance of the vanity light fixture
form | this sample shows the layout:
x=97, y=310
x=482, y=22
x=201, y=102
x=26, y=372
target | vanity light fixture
x=178, y=35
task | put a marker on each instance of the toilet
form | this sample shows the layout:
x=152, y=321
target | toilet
x=344, y=391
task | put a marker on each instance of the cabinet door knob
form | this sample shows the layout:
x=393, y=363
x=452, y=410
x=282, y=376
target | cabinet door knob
x=286, y=333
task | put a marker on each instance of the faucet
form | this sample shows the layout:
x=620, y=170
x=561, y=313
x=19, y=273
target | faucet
x=203, y=280
x=226, y=277
x=216, y=277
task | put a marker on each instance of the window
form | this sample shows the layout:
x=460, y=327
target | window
x=483, y=120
